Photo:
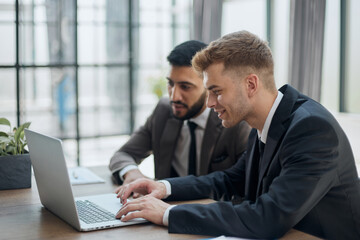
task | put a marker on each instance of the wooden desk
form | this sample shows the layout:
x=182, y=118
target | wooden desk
x=23, y=217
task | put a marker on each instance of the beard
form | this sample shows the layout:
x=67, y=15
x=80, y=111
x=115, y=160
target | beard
x=194, y=109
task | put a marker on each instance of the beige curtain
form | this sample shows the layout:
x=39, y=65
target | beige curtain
x=307, y=19
x=207, y=20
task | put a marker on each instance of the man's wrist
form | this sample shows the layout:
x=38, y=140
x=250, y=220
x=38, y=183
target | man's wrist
x=166, y=215
x=125, y=170
x=167, y=187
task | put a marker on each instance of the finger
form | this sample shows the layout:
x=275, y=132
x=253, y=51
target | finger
x=128, y=207
x=119, y=193
x=136, y=195
x=117, y=190
x=126, y=192
x=123, y=198
x=132, y=215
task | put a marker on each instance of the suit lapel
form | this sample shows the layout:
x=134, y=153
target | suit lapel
x=269, y=151
x=277, y=129
x=167, y=145
x=211, y=134
x=252, y=174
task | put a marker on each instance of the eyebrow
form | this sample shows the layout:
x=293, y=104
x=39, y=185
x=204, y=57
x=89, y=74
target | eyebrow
x=212, y=87
x=181, y=82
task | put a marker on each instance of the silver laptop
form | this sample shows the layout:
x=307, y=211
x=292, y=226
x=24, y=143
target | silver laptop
x=52, y=179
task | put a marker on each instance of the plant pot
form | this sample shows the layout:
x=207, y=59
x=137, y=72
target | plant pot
x=15, y=172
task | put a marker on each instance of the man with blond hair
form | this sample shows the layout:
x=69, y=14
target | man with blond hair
x=299, y=171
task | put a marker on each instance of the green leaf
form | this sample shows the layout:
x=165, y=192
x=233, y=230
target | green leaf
x=26, y=125
x=11, y=137
x=20, y=131
x=4, y=134
x=22, y=147
x=4, y=140
x=3, y=153
x=11, y=150
x=12, y=143
x=17, y=134
x=2, y=148
x=22, y=134
x=4, y=121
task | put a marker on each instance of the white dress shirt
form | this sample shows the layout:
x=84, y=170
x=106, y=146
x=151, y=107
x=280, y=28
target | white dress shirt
x=180, y=162
x=181, y=155
x=263, y=134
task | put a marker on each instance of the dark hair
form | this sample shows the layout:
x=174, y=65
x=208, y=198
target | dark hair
x=182, y=54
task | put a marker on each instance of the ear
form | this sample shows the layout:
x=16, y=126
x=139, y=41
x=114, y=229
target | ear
x=252, y=84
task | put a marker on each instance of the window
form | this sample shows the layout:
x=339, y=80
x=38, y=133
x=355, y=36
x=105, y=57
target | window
x=247, y=15
x=162, y=25
x=83, y=68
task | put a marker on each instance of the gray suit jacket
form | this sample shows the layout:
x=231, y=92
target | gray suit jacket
x=221, y=147
x=307, y=181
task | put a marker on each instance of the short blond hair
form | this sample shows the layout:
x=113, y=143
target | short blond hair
x=234, y=50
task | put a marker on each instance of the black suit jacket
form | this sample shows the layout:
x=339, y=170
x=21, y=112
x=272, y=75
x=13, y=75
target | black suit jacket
x=221, y=147
x=307, y=181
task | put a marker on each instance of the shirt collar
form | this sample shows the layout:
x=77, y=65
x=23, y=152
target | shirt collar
x=263, y=135
x=200, y=120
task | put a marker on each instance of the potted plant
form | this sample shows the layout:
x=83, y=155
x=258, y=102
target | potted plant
x=15, y=164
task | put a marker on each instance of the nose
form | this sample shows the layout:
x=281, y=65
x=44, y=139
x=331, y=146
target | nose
x=175, y=93
x=211, y=101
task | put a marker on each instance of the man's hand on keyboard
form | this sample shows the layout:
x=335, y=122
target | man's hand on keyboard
x=143, y=187
x=148, y=207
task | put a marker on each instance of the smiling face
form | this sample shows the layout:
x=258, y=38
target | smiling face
x=227, y=94
x=186, y=91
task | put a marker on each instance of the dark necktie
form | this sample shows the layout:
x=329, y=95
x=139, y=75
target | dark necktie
x=261, y=149
x=261, y=153
x=192, y=150
x=256, y=169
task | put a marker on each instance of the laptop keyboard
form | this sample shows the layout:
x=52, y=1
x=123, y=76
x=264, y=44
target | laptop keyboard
x=89, y=212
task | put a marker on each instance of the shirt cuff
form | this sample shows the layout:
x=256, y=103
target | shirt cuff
x=167, y=186
x=166, y=215
x=125, y=170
